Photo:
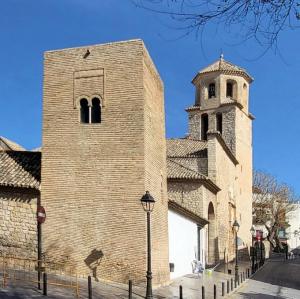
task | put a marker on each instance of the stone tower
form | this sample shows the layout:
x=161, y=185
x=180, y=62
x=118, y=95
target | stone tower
x=103, y=147
x=221, y=116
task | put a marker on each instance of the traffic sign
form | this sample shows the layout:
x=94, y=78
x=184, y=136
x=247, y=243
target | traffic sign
x=41, y=214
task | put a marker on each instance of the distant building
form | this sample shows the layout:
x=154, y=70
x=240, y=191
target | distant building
x=293, y=231
x=104, y=145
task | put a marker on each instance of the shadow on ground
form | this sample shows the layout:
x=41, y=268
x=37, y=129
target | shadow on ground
x=258, y=296
x=285, y=275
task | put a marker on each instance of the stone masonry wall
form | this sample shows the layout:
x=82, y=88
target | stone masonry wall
x=194, y=125
x=187, y=194
x=228, y=134
x=18, y=226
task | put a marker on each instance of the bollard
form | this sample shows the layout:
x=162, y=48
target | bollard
x=130, y=289
x=90, y=287
x=39, y=278
x=45, y=284
x=228, y=287
x=203, y=292
x=231, y=284
x=235, y=283
x=223, y=288
x=180, y=292
x=215, y=291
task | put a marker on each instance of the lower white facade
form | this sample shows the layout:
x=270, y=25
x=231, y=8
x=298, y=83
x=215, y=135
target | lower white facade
x=186, y=244
x=293, y=230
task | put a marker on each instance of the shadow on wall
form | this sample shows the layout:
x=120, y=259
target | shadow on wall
x=243, y=254
x=57, y=253
x=93, y=261
x=217, y=254
x=213, y=253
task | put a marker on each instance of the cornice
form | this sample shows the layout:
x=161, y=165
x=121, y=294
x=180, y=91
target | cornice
x=205, y=181
x=183, y=211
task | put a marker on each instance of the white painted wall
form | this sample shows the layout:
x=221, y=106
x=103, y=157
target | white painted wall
x=293, y=230
x=183, y=243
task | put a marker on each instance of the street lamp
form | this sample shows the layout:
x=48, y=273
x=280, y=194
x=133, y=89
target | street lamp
x=148, y=205
x=253, y=251
x=236, y=227
x=252, y=231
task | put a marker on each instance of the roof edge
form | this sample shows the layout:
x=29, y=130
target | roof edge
x=224, y=145
x=187, y=213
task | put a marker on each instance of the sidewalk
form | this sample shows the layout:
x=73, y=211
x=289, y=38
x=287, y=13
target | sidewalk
x=191, y=285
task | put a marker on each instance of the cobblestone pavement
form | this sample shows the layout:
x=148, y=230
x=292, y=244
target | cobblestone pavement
x=279, y=278
x=191, y=284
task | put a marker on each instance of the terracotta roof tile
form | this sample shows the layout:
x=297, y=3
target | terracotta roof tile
x=222, y=65
x=20, y=169
x=186, y=147
x=177, y=171
x=6, y=144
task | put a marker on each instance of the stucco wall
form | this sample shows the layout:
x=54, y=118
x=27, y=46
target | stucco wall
x=222, y=170
x=244, y=174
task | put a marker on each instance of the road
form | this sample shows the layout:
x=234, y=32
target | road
x=277, y=279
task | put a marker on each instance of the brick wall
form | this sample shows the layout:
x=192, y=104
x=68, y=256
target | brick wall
x=93, y=175
x=155, y=167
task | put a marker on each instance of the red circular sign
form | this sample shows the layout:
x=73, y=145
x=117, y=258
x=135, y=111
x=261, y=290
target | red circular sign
x=41, y=214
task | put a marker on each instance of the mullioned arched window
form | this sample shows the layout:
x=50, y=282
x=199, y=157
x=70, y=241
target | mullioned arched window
x=84, y=111
x=96, y=111
x=90, y=112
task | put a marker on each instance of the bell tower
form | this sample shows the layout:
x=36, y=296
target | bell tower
x=220, y=115
x=221, y=94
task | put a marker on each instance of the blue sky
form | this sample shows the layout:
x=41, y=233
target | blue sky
x=28, y=28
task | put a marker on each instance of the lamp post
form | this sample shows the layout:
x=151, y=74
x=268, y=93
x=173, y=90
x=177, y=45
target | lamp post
x=148, y=205
x=296, y=233
x=253, y=251
x=236, y=227
x=259, y=247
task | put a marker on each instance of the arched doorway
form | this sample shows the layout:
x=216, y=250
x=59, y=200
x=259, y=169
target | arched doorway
x=212, y=239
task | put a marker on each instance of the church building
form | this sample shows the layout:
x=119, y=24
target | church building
x=104, y=145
